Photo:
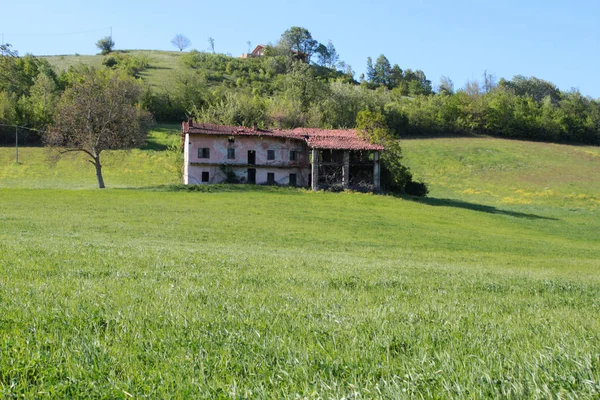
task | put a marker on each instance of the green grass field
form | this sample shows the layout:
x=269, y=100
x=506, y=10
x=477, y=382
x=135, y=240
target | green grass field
x=161, y=74
x=151, y=165
x=488, y=288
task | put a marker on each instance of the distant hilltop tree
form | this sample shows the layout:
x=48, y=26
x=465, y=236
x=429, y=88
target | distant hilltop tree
x=298, y=41
x=181, y=42
x=105, y=45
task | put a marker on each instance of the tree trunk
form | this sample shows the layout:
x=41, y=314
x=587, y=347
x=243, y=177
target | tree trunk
x=99, y=172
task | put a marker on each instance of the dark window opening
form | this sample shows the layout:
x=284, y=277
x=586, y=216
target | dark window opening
x=231, y=140
x=292, y=155
x=204, y=176
x=270, y=178
x=251, y=175
x=251, y=157
x=270, y=154
x=292, y=179
x=204, y=152
x=231, y=154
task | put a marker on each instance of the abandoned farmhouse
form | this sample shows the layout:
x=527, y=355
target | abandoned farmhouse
x=316, y=158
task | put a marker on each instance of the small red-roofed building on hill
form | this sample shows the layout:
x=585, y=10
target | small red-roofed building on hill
x=298, y=157
x=258, y=51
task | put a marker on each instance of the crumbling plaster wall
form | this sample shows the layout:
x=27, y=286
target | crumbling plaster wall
x=281, y=166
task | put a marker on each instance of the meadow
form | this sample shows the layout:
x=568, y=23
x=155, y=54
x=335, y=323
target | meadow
x=161, y=74
x=488, y=288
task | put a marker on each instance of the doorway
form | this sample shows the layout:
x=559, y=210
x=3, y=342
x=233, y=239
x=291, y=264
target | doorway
x=251, y=175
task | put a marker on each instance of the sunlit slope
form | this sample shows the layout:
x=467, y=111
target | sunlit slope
x=507, y=171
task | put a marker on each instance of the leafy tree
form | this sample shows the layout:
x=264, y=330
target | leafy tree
x=472, y=88
x=234, y=109
x=549, y=119
x=105, y=45
x=395, y=176
x=382, y=71
x=446, y=85
x=396, y=119
x=345, y=101
x=131, y=64
x=190, y=89
x=17, y=74
x=500, y=116
x=98, y=112
x=418, y=83
x=575, y=118
x=181, y=42
x=348, y=71
x=42, y=101
x=8, y=66
x=327, y=55
x=334, y=57
x=370, y=70
x=322, y=55
x=323, y=94
x=536, y=88
x=302, y=86
x=396, y=77
x=110, y=62
x=299, y=42
x=28, y=87
x=7, y=108
x=285, y=113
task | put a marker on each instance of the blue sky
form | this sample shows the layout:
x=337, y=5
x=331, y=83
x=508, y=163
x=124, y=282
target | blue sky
x=554, y=40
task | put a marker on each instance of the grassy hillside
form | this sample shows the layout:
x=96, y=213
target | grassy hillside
x=508, y=172
x=44, y=168
x=487, y=171
x=261, y=292
x=161, y=74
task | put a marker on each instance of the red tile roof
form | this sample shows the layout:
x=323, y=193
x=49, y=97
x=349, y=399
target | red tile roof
x=337, y=139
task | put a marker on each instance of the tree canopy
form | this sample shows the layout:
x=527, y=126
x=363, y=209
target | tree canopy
x=373, y=125
x=105, y=44
x=284, y=90
x=98, y=112
x=300, y=42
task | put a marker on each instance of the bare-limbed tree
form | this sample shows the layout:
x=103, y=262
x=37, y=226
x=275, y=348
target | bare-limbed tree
x=181, y=42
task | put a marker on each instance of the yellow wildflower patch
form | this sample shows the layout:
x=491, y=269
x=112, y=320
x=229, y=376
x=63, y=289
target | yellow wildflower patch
x=513, y=200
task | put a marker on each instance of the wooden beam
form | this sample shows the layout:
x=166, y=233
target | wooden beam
x=346, y=170
x=315, y=170
x=376, y=171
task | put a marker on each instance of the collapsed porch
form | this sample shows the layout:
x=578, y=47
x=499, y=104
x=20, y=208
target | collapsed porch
x=346, y=168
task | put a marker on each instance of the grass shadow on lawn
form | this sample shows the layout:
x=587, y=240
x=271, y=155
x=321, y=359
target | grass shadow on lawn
x=431, y=201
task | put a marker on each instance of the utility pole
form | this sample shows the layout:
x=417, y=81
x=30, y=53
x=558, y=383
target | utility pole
x=17, y=137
